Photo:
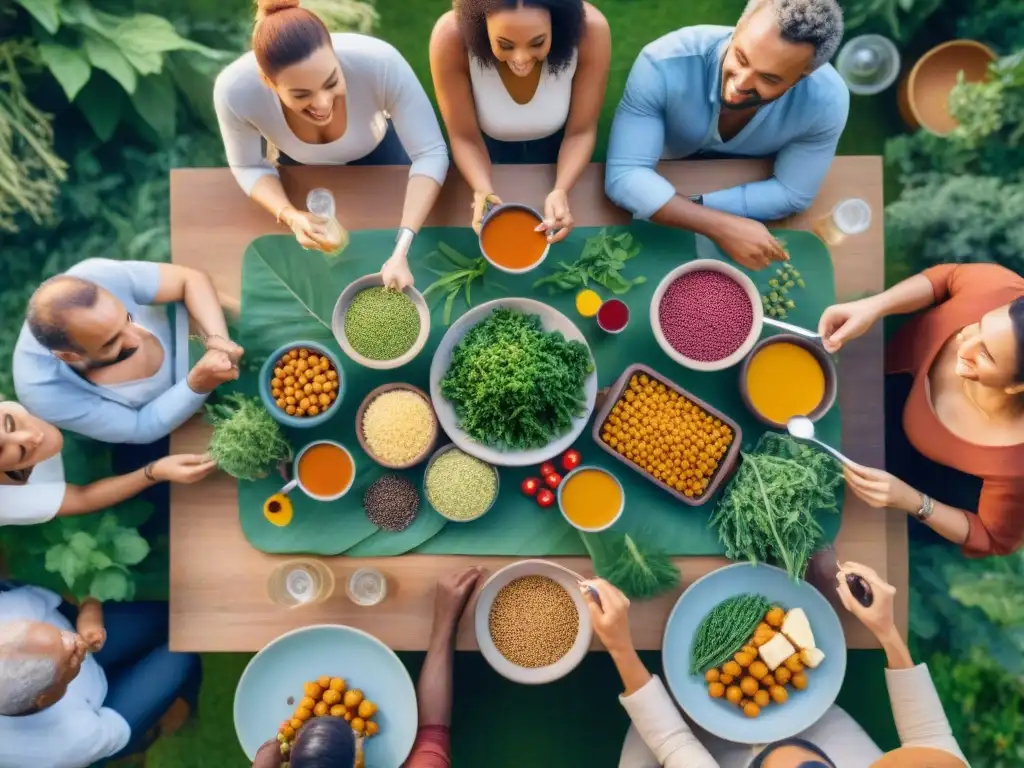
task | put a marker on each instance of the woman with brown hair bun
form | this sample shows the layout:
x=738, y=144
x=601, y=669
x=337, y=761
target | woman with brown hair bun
x=327, y=99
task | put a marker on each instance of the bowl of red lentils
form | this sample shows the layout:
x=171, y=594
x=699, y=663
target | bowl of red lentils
x=396, y=425
x=706, y=315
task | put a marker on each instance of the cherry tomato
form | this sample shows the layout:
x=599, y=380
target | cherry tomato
x=545, y=498
x=547, y=468
x=530, y=486
x=570, y=460
x=552, y=479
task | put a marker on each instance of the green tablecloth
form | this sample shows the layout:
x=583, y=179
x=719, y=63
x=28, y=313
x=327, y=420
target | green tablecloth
x=289, y=294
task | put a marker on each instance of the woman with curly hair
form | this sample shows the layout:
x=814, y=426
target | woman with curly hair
x=521, y=81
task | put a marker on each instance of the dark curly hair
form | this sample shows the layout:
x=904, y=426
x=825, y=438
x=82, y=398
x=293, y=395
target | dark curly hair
x=567, y=26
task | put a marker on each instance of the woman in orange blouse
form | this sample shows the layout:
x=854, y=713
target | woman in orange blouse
x=964, y=409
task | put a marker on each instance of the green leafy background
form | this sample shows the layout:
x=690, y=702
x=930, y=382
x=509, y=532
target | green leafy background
x=289, y=294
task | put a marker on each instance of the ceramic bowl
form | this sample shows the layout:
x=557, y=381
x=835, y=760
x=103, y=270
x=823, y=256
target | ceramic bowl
x=824, y=359
x=267, y=373
x=338, y=323
x=440, y=452
x=496, y=211
x=395, y=387
x=710, y=265
x=481, y=622
x=569, y=520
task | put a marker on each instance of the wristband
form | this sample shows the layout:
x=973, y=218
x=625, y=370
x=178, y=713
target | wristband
x=148, y=472
x=927, y=508
x=698, y=199
x=403, y=241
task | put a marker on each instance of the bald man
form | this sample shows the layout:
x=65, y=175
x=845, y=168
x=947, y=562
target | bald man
x=95, y=355
x=69, y=694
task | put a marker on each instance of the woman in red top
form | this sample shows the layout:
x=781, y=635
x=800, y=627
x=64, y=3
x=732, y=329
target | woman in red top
x=964, y=410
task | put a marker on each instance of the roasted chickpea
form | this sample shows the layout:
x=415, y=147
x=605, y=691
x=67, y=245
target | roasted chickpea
x=733, y=694
x=778, y=694
x=331, y=696
x=749, y=686
x=762, y=699
x=716, y=690
x=783, y=675
x=358, y=724
x=308, y=703
x=303, y=353
x=799, y=681
x=793, y=664
x=768, y=680
x=302, y=714
x=321, y=708
x=712, y=675
x=338, y=710
x=337, y=684
x=751, y=710
x=313, y=690
x=744, y=660
x=313, y=410
x=732, y=668
x=367, y=709
x=726, y=679
x=775, y=617
x=372, y=729
x=758, y=669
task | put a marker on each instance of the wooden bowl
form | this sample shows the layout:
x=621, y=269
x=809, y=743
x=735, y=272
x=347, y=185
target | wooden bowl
x=924, y=93
x=392, y=387
x=824, y=359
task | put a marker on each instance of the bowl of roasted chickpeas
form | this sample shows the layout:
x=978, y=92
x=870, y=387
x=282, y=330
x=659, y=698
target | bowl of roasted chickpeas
x=301, y=384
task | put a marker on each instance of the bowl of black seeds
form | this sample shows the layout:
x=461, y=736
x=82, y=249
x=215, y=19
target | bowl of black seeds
x=391, y=503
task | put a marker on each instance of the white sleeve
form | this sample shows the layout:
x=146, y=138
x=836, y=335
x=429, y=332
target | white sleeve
x=243, y=142
x=31, y=503
x=28, y=603
x=664, y=730
x=414, y=119
x=920, y=719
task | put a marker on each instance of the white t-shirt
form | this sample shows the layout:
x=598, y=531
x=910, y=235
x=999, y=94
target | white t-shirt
x=36, y=501
x=76, y=731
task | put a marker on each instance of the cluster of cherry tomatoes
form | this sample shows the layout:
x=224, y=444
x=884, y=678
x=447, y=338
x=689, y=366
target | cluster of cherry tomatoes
x=543, y=488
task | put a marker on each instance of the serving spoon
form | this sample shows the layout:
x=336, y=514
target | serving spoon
x=802, y=428
x=582, y=582
x=814, y=335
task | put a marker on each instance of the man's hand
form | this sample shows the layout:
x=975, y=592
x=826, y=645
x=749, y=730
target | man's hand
x=95, y=638
x=213, y=369
x=749, y=243
x=90, y=624
x=453, y=591
x=225, y=345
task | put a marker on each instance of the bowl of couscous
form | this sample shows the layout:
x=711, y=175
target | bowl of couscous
x=378, y=327
x=396, y=425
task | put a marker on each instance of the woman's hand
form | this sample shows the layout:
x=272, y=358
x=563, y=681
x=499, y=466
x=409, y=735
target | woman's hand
x=558, y=221
x=453, y=591
x=396, y=273
x=841, y=323
x=880, y=616
x=309, y=229
x=878, y=489
x=611, y=617
x=186, y=468
x=482, y=203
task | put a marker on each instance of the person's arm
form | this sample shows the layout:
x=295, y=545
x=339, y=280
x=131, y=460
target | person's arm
x=269, y=755
x=998, y=527
x=179, y=468
x=588, y=90
x=449, y=68
x=800, y=169
x=195, y=289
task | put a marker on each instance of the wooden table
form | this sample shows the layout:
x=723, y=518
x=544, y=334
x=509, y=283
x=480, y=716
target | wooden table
x=218, y=581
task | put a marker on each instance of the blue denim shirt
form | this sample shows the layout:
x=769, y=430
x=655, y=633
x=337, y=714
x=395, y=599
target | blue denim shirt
x=670, y=110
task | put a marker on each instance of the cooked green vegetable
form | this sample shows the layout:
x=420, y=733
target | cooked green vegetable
x=777, y=299
x=603, y=257
x=641, y=571
x=513, y=385
x=457, y=276
x=246, y=441
x=767, y=513
x=725, y=629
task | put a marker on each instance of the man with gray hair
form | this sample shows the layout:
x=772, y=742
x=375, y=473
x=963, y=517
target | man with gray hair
x=57, y=708
x=764, y=88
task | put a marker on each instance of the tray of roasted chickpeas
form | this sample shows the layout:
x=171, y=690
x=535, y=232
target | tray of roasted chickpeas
x=675, y=440
x=330, y=697
x=304, y=382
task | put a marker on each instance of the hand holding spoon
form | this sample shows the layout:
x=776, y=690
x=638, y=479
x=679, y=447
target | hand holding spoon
x=802, y=428
x=807, y=334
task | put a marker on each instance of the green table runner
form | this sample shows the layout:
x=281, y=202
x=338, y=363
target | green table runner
x=288, y=294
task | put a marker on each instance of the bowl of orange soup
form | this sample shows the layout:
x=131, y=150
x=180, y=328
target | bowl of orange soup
x=324, y=470
x=785, y=376
x=591, y=499
x=509, y=239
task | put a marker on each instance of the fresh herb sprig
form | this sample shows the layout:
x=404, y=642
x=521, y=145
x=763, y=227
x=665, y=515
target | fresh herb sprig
x=603, y=257
x=777, y=300
x=456, y=274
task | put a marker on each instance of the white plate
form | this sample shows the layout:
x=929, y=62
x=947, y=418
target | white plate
x=551, y=320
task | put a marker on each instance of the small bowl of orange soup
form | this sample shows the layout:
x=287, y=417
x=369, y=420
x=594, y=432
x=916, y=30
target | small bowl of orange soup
x=591, y=499
x=509, y=239
x=324, y=470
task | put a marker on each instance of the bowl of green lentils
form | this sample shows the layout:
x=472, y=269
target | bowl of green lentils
x=458, y=486
x=380, y=328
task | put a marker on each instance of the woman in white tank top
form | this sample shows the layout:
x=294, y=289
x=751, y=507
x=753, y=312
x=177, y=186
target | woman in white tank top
x=521, y=81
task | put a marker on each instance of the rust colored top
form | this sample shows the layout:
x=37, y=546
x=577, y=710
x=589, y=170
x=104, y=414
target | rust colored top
x=963, y=294
x=432, y=748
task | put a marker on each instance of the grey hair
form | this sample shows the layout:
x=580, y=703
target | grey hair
x=818, y=22
x=22, y=677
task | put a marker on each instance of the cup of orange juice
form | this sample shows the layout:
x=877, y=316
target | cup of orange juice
x=324, y=470
x=591, y=499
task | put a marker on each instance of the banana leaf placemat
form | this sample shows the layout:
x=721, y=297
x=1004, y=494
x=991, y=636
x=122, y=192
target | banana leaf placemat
x=289, y=294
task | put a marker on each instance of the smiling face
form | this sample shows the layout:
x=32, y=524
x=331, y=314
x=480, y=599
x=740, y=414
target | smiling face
x=24, y=439
x=103, y=335
x=759, y=66
x=312, y=87
x=520, y=37
x=987, y=352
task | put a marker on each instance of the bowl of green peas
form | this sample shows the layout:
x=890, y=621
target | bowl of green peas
x=378, y=327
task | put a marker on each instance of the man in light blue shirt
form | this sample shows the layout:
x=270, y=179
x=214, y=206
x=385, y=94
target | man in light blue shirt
x=764, y=88
x=95, y=355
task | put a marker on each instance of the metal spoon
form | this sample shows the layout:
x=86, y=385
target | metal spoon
x=582, y=582
x=792, y=329
x=802, y=428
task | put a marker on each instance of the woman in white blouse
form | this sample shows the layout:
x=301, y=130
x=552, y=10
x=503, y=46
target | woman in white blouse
x=660, y=736
x=521, y=81
x=323, y=99
x=32, y=487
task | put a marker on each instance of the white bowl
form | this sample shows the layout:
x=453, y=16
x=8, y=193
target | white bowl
x=338, y=323
x=551, y=320
x=710, y=265
x=481, y=622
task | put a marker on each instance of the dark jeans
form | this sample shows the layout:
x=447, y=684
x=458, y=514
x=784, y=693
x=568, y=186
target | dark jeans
x=389, y=152
x=128, y=458
x=143, y=676
x=541, y=151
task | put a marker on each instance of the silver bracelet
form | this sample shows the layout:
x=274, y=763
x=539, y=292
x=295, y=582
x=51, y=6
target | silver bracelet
x=927, y=507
